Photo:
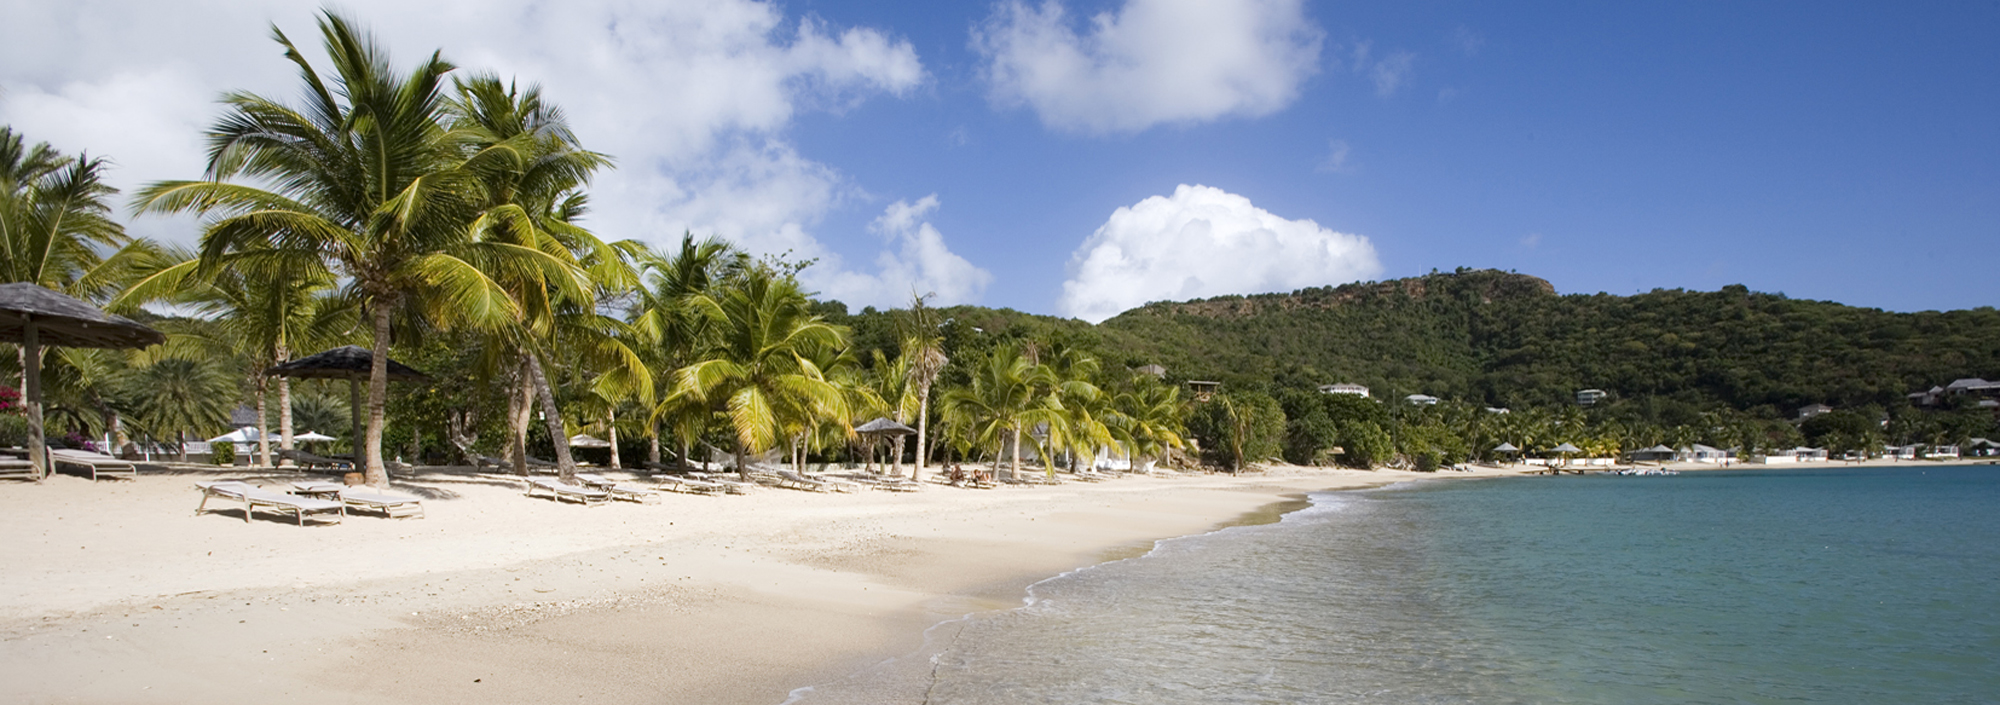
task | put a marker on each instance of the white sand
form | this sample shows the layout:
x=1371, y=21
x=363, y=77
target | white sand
x=117, y=592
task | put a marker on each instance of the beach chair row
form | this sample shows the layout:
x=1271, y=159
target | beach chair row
x=301, y=498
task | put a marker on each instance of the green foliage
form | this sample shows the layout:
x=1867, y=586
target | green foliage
x=1238, y=429
x=223, y=454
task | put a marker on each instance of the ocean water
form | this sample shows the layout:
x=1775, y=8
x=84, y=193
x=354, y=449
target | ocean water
x=1838, y=585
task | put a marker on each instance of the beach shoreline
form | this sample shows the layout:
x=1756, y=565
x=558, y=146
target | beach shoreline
x=120, y=592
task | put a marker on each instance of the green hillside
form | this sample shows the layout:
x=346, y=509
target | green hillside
x=1506, y=339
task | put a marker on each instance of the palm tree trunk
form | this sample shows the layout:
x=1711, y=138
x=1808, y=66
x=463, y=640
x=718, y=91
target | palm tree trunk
x=181, y=442
x=285, y=417
x=897, y=462
x=1014, y=466
x=611, y=418
x=923, y=430
x=653, y=443
x=378, y=397
x=263, y=426
x=742, y=463
x=552, y=417
x=518, y=403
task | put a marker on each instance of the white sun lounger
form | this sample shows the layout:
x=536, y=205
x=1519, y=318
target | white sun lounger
x=97, y=463
x=254, y=497
x=394, y=506
x=618, y=490
x=560, y=492
x=13, y=469
x=689, y=484
x=796, y=481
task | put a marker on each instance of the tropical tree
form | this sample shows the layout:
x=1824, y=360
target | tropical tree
x=259, y=312
x=923, y=350
x=175, y=395
x=1008, y=395
x=759, y=371
x=55, y=221
x=366, y=184
x=1148, y=420
x=675, y=332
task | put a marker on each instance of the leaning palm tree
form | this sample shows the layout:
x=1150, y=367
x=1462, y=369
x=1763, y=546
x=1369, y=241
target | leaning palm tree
x=532, y=171
x=760, y=371
x=367, y=185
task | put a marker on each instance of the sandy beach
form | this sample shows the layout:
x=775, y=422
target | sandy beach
x=118, y=592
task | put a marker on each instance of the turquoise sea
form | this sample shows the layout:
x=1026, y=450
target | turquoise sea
x=1833, y=585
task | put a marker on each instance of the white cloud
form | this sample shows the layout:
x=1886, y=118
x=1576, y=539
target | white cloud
x=1148, y=63
x=1202, y=242
x=694, y=99
x=920, y=264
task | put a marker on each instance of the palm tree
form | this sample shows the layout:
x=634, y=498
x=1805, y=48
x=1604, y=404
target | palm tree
x=923, y=348
x=1084, y=407
x=760, y=371
x=533, y=171
x=260, y=313
x=1007, y=396
x=175, y=395
x=369, y=187
x=674, y=332
x=55, y=221
x=1148, y=419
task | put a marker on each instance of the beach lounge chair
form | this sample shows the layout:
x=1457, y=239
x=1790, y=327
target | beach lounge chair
x=309, y=460
x=561, y=492
x=254, y=497
x=618, y=490
x=14, y=469
x=393, y=506
x=727, y=481
x=96, y=463
x=690, y=484
x=792, y=480
x=315, y=489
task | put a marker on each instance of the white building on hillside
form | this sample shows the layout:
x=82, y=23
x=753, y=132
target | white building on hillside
x=1344, y=388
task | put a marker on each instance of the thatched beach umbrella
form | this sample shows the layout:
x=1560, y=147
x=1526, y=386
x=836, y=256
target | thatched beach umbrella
x=879, y=429
x=348, y=362
x=35, y=316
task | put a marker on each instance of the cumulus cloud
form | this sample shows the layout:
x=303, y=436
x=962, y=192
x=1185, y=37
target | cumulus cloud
x=1203, y=241
x=920, y=264
x=694, y=99
x=1149, y=62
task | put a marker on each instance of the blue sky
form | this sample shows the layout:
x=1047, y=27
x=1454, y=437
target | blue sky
x=1843, y=151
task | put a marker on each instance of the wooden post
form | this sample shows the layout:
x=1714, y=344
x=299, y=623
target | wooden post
x=354, y=415
x=38, y=448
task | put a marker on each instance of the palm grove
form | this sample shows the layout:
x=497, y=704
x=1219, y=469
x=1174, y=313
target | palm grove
x=439, y=215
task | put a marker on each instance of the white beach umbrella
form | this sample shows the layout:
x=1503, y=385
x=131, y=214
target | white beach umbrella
x=310, y=436
x=584, y=440
x=242, y=435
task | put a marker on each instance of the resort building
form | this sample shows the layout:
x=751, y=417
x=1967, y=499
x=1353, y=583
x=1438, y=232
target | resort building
x=1344, y=388
x=1988, y=391
x=1203, y=390
x=1699, y=453
x=1154, y=370
x=1421, y=399
x=1810, y=410
x=1589, y=397
x=1795, y=455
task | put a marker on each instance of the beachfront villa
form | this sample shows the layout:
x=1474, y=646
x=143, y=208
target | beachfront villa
x=1794, y=456
x=1974, y=386
x=1344, y=388
x=1698, y=453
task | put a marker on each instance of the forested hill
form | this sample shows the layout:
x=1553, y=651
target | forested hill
x=1506, y=339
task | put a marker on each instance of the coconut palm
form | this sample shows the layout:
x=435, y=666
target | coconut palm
x=1148, y=420
x=55, y=221
x=760, y=371
x=923, y=349
x=1007, y=396
x=366, y=185
x=532, y=171
x=674, y=331
x=260, y=314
